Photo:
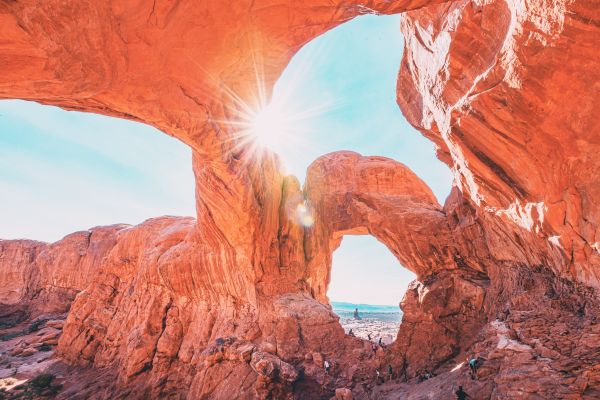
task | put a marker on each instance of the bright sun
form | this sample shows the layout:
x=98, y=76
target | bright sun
x=269, y=126
x=281, y=122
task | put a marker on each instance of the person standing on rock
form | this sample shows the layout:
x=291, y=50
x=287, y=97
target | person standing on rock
x=390, y=372
x=473, y=367
x=327, y=366
x=350, y=333
x=356, y=316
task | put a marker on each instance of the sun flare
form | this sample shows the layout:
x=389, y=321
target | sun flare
x=279, y=126
x=269, y=127
x=282, y=121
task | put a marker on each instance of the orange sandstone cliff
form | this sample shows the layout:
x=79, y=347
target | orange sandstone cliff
x=233, y=304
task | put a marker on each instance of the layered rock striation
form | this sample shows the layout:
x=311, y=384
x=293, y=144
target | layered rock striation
x=233, y=304
x=508, y=91
x=45, y=278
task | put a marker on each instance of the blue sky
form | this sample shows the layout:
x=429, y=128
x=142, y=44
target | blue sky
x=66, y=171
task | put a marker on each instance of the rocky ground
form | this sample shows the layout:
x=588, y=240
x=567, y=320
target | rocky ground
x=26, y=355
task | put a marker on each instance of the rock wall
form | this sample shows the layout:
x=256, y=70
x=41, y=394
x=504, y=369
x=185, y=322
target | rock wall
x=233, y=304
x=44, y=278
x=507, y=90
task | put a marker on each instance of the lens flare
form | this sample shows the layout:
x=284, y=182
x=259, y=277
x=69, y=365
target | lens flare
x=299, y=211
x=457, y=367
x=304, y=216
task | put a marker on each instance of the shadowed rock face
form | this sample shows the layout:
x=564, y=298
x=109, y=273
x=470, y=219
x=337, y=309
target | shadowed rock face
x=233, y=304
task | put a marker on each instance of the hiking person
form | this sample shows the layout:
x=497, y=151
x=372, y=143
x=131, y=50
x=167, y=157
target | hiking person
x=327, y=366
x=369, y=336
x=461, y=394
x=381, y=342
x=473, y=366
x=390, y=372
x=378, y=377
x=356, y=316
x=425, y=376
x=350, y=333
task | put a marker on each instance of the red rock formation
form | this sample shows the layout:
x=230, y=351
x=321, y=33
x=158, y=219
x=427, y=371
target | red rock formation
x=233, y=304
x=508, y=91
x=17, y=257
x=44, y=278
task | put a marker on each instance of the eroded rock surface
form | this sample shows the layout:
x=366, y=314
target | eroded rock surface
x=233, y=304
x=508, y=90
x=44, y=278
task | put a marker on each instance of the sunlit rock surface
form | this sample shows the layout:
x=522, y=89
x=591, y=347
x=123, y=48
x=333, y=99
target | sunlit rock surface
x=508, y=90
x=233, y=304
x=44, y=278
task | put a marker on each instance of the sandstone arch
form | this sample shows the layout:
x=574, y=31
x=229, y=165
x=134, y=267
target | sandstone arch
x=375, y=195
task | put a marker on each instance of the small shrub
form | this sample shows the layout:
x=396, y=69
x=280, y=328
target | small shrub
x=45, y=347
x=42, y=385
x=8, y=336
x=8, y=325
x=36, y=325
x=12, y=320
x=41, y=381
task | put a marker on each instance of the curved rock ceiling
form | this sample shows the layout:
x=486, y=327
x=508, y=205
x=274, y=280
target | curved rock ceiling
x=233, y=304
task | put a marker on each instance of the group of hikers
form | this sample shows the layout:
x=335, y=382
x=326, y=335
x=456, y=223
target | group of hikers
x=389, y=375
x=380, y=377
x=460, y=393
x=472, y=361
x=369, y=337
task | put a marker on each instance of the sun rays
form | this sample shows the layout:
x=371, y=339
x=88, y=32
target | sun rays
x=259, y=122
x=279, y=120
x=280, y=125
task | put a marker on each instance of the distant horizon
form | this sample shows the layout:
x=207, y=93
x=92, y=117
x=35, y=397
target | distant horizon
x=363, y=304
